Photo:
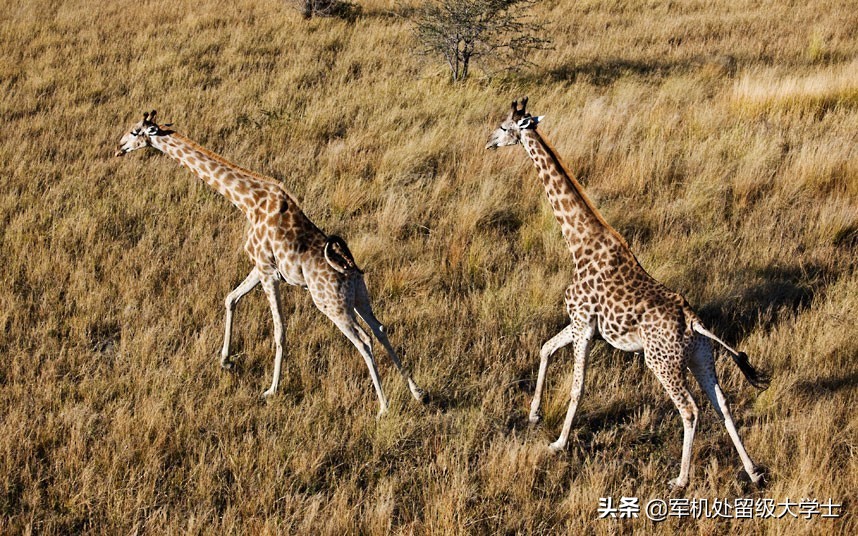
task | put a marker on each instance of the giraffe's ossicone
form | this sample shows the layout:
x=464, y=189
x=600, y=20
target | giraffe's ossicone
x=613, y=296
x=284, y=245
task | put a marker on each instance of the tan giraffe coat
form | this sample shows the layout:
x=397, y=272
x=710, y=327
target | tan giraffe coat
x=612, y=295
x=284, y=245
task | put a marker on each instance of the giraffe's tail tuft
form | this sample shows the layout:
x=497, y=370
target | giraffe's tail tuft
x=757, y=378
x=339, y=256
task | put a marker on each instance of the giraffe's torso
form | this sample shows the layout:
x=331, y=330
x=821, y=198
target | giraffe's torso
x=284, y=242
x=280, y=237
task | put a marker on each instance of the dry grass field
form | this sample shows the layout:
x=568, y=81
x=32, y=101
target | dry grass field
x=720, y=138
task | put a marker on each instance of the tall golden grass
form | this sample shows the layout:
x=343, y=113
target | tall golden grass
x=816, y=92
x=718, y=137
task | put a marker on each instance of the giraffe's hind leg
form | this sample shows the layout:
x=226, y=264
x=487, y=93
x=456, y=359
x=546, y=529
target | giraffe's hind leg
x=337, y=302
x=668, y=365
x=352, y=330
x=563, y=338
x=702, y=365
x=364, y=310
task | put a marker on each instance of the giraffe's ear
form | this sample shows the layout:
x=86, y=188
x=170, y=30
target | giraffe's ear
x=529, y=122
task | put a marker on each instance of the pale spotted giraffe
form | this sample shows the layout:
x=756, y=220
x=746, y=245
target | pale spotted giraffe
x=284, y=245
x=614, y=297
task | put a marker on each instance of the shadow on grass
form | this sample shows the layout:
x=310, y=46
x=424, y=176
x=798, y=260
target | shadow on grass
x=608, y=416
x=606, y=72
x=826, y=387
x=782, y=291
x=444, y=403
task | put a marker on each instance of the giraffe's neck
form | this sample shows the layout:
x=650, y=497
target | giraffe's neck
x=580, y=221
x=237, y=184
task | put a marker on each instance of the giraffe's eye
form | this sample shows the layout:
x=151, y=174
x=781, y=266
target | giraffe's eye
x=502, y=128
x=135, y=132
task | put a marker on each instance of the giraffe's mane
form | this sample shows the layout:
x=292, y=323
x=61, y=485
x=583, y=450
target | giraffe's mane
x=552, y=152
x=221, y=160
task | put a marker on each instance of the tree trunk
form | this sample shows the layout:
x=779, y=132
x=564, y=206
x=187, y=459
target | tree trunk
x=456, y=56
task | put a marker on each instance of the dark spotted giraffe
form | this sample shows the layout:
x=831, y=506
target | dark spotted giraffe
x=612, y=295
x=284, y=245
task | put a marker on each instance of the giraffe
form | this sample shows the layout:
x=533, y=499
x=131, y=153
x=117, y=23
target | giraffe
x=614, y=297
x=284, y=245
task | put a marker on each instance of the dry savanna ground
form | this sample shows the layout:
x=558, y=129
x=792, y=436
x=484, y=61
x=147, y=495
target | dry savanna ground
x=718, y=137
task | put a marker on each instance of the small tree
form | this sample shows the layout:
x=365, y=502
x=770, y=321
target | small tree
x=491, y=32
x=327, y=8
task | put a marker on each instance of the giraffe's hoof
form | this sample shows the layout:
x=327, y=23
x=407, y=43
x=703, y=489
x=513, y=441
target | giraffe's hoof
x=535, y=418
x=557, y=446
x=269, y=393
x=381, y=413
x=420, y=395
x=226, y=364
x=677, y=484
x=759, y=476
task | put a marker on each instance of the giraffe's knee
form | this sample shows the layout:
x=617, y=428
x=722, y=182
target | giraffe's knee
x=374, y=325
x=364, y=338
x=689, y=412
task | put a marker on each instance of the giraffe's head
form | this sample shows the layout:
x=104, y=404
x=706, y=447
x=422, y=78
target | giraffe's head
x=509, y=132
x=140, y=134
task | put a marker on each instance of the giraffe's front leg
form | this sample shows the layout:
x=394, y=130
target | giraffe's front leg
x=583, y=344
x=566, y=336
x=232, y=298
x=271, y=291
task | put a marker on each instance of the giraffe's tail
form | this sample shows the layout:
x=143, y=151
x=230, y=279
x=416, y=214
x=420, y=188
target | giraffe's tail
x=339, y=256
x=755, y=377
